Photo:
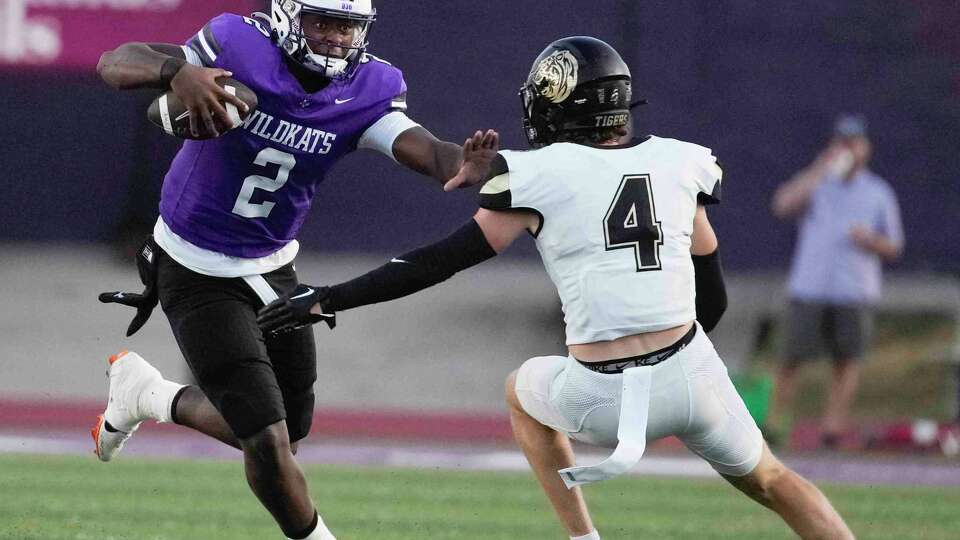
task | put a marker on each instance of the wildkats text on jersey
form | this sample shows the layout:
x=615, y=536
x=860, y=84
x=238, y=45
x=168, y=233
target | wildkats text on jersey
x=295, y=136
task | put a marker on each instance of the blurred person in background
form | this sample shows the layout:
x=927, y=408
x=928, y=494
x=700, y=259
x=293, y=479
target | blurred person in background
x=231, y=206
x=849, y=224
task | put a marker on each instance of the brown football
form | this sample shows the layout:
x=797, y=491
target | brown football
x=169, y=113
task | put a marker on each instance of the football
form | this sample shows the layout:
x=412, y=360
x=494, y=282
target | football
x=170, y=114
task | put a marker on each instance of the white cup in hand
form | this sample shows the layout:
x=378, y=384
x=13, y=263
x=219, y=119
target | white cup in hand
x=840, y=164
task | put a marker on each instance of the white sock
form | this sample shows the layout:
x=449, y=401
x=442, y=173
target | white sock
x=592, y=535
x=156, y=400
x=321, y=532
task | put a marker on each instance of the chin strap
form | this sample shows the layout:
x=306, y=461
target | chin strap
x=332, y=67
x=632, y=432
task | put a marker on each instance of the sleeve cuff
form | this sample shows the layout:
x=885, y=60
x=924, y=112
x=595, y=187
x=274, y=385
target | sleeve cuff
x=382, y=134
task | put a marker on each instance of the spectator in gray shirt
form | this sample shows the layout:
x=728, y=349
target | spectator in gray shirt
x=849, y=223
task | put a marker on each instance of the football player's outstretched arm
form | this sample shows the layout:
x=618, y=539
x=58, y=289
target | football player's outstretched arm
x=488, y=233
x=163, y=65
x=140, y=65
x=708, y=272
x=452, y=165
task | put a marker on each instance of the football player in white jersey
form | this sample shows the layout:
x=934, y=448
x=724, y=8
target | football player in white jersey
x=623, y=232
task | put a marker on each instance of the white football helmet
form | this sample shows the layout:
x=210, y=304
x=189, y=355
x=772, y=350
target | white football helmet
x=285, y=19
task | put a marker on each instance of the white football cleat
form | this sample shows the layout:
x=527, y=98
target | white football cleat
x=129, y=375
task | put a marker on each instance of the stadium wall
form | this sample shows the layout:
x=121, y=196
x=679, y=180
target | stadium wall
x=447, y=349
x=760, y=86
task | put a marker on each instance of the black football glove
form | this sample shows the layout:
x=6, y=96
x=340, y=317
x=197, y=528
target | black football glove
x=144, y=305
x=292, y=310
x=147, y=300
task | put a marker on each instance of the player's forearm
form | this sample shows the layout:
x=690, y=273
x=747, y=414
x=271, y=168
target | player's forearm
x=711, y=291
x=138, y=65
x=447, y=160
x=414, y=271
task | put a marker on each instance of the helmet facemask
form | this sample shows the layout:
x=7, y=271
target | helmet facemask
x=288, y=18
x=537, y=124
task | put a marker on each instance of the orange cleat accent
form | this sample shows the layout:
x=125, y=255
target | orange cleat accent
x=118, y=356
x=95, y=432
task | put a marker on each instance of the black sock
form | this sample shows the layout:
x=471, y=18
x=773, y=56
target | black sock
x=173, y=405
x=309, y=530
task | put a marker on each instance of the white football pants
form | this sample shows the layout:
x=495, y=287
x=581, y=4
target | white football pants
x=691, y=396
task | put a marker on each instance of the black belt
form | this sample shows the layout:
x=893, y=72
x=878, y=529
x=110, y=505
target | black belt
x=648, y=359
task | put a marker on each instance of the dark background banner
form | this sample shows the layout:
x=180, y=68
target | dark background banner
x=71, y=34
x=759, y=83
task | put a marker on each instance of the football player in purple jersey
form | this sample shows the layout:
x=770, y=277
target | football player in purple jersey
x=231, y=206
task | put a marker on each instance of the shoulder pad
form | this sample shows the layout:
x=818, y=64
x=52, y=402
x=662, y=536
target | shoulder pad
x=382, y=82
x=495, y=193
x=514, y=181
x=709, y=176
x=367, y=57
x=212, y=40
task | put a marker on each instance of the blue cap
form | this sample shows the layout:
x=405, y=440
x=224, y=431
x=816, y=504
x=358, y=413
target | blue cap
x=850, y=125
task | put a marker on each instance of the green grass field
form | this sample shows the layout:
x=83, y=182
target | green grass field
x=60, y=498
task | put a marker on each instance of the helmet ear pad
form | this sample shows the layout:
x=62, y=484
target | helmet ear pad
x=282, y=17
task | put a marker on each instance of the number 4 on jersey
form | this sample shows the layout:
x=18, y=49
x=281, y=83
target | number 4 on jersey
x=631, y=222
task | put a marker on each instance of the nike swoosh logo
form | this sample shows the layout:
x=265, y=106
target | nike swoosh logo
x=118, y=296
x=186, y=114
x=339, y=101
x=396, y=260
x=302, y=295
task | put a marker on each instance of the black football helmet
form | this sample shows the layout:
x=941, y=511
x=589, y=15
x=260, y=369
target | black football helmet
x=577, y=83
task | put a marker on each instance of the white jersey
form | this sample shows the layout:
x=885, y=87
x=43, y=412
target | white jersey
x=615, y=228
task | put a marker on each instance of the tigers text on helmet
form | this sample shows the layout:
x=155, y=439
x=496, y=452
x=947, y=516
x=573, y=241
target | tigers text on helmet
x=286, y=20
x=577, y=83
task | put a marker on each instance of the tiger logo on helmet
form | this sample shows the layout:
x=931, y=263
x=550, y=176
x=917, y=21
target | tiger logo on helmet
x=556, y=76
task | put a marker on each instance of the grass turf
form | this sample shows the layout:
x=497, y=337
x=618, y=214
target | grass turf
x=61, y=498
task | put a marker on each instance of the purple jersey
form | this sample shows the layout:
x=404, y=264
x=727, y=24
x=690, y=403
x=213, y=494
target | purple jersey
x=246, y=193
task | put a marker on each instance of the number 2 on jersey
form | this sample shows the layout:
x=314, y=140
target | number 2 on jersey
x=267, y=156
x=631, y=222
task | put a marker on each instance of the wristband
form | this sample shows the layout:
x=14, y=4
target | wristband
x=171, y=66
